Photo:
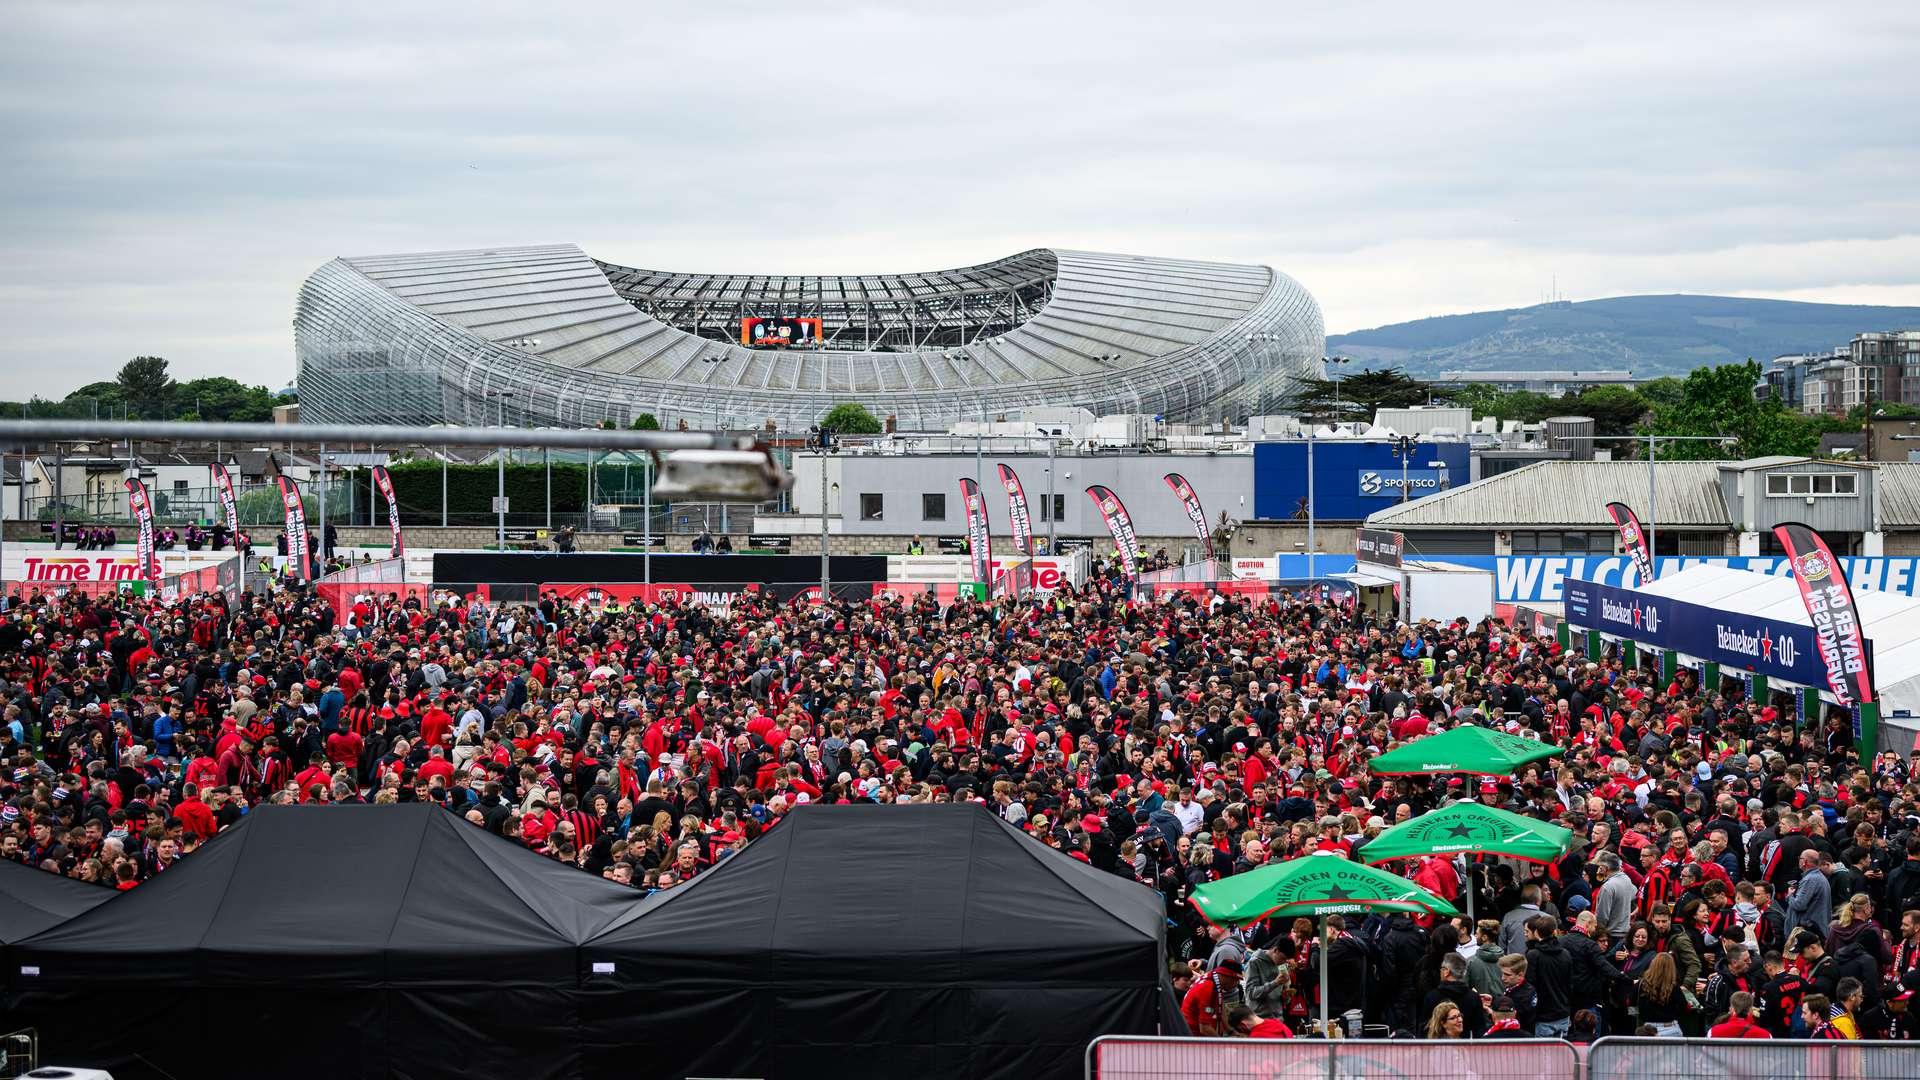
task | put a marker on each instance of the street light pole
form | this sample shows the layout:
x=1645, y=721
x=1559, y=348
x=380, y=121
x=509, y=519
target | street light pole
x=826, y=574
x=1053, y=479
x=1653, y=477
x=1311, y=546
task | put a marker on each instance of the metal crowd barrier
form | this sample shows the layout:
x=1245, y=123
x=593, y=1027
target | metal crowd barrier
x=1751, y=1059
x=1126, y=1057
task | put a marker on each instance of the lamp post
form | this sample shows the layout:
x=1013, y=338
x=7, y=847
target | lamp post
x=1403, y=448
x=819, y=440
x=1336, y=363
x=500, y=472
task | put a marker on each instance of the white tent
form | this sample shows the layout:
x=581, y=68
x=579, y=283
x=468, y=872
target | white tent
x=1890, y=622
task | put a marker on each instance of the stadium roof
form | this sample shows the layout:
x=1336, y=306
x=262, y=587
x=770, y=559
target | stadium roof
x=1099, y=313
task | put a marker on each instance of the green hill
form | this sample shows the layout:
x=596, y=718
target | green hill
x=1648, y=335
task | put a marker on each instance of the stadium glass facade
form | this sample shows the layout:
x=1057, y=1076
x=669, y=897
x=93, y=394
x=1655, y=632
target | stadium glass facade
x=549, y=336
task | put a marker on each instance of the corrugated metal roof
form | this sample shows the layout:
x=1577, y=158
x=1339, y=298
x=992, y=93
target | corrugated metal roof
x=1897, y=494
x=1571, y=493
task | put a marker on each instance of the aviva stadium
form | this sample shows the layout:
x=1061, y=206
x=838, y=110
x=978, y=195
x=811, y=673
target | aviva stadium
x=552, y=336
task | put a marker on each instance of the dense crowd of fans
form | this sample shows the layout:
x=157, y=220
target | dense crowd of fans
x=1734, y=873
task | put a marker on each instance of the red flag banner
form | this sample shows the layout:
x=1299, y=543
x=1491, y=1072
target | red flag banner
x=385, y=483
x=297, y=556
x=223, y=483
x=146, y=556
x=1190, y=502
x=1119, y=526
x=1017, y=517
x=979, y=544
x=1633, y=538
x=1836, y=622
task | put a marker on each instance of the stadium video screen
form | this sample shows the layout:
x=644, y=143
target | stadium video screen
x=779, y=333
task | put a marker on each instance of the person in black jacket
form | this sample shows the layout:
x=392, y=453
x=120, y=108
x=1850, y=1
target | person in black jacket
x=1903, y=883
x=1594, y=974
x=1401, y=949
x=1513, y=978
x=1454, y=987
x=1851, y=961
x=1346, y=957
x=1550, y=969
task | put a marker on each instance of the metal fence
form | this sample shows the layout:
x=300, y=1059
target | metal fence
x=1217, y=568
x=1123, y=1057
x=1741, y=1059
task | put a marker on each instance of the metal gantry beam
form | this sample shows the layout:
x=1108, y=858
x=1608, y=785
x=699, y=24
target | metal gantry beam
x=37, y=432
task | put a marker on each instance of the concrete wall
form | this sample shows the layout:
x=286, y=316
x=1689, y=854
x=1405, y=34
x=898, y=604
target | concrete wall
x=804, y=542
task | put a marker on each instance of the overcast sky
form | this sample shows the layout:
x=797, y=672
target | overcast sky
x=172, y=171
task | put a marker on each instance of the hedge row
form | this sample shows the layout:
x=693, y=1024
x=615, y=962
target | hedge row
x=471, y=488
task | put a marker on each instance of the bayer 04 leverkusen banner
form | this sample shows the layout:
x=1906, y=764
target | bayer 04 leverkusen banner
x=1836, y=622
x=385, y=483
x=145, y=554
x=1119, y=526
x=1017, y=517
x=223, y=483
x=1190, y=502
x=979, y=546
x=1633, y=538
x=297, y=556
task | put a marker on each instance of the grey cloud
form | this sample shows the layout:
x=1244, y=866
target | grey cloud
x=174, y=169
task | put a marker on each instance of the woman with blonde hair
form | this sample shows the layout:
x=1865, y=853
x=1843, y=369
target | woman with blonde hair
x=1853, y=923
x=1447, y=1022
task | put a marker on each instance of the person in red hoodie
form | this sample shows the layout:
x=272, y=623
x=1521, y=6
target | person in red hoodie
x=436, y=765
x=1205, y=1006
x=202, y=769
x=1250, y=1025
x=344, y=748
x=194, y=815
x=435, y=723
x=314, y=775
x=1739, y=1023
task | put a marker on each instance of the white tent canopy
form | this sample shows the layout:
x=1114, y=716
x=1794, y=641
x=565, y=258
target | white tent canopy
x=1890, y=622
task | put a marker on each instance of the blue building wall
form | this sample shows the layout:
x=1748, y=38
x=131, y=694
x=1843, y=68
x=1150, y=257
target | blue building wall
x=1352, y=478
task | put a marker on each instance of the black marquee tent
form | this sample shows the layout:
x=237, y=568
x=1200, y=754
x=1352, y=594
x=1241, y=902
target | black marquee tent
x=32, y=900
x=393, y=941
x=926, y=941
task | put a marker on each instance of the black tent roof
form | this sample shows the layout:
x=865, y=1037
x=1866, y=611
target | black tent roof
x=32, y=899
x=953, y=887
x=349, y=895
x=867, y=940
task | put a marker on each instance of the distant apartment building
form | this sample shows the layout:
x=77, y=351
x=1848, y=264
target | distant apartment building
x=1873, y=367
x=1550, y=383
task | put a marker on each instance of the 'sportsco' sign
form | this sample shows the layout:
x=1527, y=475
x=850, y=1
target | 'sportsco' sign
x=1778, y=650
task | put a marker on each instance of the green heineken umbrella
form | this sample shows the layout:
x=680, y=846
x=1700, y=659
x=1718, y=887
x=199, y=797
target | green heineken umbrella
x=1312, y=885
x=1470, y=828
x=1473, y=829
x=1468, y=748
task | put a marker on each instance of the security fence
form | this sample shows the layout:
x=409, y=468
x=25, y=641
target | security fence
x=1123, y=1057
x=1129, y=1058
x=1742, y=1059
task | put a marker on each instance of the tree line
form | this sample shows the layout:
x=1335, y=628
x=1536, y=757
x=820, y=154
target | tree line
x=1709, y=401
x=145, y=390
